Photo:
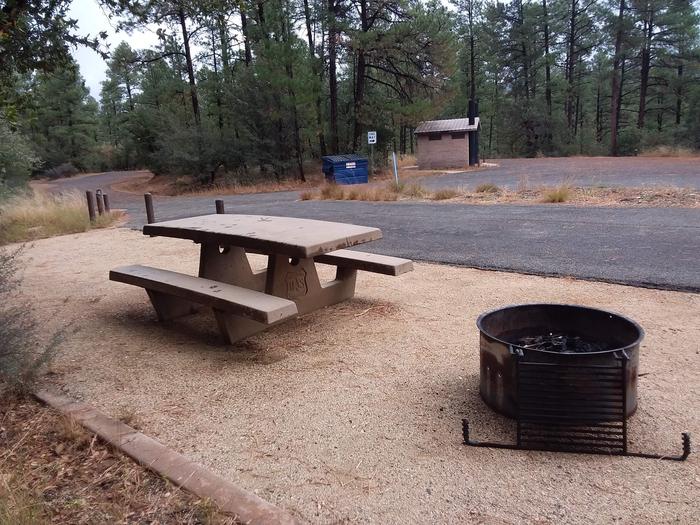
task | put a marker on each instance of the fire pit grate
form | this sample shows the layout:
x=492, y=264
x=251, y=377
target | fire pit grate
x=571, y=407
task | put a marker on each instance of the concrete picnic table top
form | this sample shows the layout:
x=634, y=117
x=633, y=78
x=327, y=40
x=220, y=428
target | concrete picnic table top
x=302, y=238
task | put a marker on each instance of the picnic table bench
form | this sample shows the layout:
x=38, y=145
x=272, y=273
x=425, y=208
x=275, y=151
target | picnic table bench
x=245, y=301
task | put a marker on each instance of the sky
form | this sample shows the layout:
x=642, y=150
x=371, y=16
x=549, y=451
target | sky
x=91, y=20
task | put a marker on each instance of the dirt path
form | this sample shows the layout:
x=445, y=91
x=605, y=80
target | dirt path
x=352, y=414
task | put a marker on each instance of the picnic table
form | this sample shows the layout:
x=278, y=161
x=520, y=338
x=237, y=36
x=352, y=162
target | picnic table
x=245, y=301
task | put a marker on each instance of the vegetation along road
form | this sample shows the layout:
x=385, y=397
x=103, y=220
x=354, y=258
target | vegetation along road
x=656, y=247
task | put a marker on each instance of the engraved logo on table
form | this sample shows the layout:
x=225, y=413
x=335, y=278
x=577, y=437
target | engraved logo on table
x=296, y=284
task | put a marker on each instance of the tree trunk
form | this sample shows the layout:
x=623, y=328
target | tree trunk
x=472, y=55
x=246, y=38
x=523, y=51
x=622, y=86
x=289, y=69
x=571, y=67
x=332, y=76
x=261, y=19
x=598, y=116
x=190, y=67
x=73, y=152
x=645, y=68
x=316, y=71
x=217, y=89
x=127, y=81
x=679, y=94
x=616, y=83
x=494, y=102
x=223, y=42
x=360, y=73
x=547, y=63
x=359, y=98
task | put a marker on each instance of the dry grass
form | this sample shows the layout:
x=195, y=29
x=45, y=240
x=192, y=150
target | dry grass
x=390, y=191
x=128, y=416
x=396, y=186
x=407, y=160
x=68, y=429
x=444, y=194
x=54, y=471
x=415, y=191
x=491, y=194
x=18, y=506
x=332, y=192
x=487, y=187
x=523, y=184
x=670, y=151
x=38, y=215
x=559, y=194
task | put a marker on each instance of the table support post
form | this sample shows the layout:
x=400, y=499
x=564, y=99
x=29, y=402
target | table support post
x=169, y=307
x=297, y=280
x=229, y=265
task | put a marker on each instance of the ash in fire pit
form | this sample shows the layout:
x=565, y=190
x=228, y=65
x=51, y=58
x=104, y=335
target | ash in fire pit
x=560, y=343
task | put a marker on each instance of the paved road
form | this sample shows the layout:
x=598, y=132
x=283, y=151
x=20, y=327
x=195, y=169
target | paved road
x=580, y=171
x=657, y=247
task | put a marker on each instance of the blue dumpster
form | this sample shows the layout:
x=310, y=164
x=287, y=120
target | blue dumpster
x=346, y=169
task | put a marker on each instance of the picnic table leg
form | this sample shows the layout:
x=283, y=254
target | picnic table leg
x=297, y=280
x=168, y=307
x=294, y=279
x=229, y=265
x=234, y=328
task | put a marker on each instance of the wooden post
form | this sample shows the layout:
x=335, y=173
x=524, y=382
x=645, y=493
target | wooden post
x=150, y=216
x=100, y=202
x=219, y=206
x=108, y=208
x=91, y=205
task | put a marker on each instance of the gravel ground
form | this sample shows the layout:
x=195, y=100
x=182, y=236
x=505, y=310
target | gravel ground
x=352, y=414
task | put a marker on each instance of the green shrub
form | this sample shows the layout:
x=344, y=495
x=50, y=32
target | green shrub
x=17, y=158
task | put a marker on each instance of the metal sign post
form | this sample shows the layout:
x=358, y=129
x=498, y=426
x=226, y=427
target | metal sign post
x=371, y=140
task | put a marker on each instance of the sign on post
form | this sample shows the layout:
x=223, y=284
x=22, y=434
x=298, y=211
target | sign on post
x=371, y=137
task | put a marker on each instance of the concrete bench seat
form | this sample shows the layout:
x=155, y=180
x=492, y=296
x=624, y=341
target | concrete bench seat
x=368, y=262
x=174, y=294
